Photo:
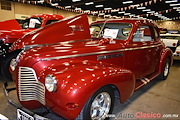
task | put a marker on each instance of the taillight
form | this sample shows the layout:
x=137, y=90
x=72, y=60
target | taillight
x=178, y=52
x=174, y=44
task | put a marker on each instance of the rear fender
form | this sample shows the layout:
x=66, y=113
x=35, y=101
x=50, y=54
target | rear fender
x=166, y=54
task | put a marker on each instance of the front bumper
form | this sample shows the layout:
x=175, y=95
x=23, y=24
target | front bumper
x=35, y=115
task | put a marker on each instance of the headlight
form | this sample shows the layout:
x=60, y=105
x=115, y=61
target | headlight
x=51, y=83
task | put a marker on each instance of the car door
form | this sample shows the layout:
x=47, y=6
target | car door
x=142, y=52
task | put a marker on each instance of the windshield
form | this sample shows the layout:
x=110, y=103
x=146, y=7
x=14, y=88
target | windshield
x=111, y=30
x=32, y=23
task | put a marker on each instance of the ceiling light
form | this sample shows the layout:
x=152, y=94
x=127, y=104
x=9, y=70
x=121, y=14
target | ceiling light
x=141, y=8
x=151, y=12
x=67, y=6
x=101, y=13
x=107, y=15
x=121, y=12
x=127, y=2
x=171, y=1
x=75, y=0
x=107, y=8
x=147, y=10
x=77, y=8
x=54, y=4
x=175, y=4
x=89, y=3
x=99, y=6
x=127, y=13
x=135, y=5
x=176, y=7
x=114, y=10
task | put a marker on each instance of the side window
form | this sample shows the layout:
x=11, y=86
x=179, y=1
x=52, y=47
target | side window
x=156, y=33
x=142, y=34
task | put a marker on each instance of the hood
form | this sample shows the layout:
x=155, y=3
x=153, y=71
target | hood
x=10, y=36
x=74, y=28
x=70, y=49
x=10, y=25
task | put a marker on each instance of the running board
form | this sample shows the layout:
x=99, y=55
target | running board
x=141, y=82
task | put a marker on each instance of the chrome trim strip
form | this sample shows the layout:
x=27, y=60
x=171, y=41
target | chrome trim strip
x=101, y=57
x=26, y=47
x=101, y=52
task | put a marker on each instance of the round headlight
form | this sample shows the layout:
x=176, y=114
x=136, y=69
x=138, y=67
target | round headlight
x=51, y=83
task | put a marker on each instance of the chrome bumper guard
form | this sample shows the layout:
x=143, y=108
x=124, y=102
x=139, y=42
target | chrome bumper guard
x=36, y=116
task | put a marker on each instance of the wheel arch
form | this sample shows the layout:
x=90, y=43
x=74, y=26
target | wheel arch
x=166, y=54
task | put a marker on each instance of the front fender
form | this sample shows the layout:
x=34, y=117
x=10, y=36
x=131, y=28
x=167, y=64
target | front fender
x=78, y=83
x=166, y=54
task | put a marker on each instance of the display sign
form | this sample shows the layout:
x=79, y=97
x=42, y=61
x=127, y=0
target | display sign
x=33, y=22
x=21, y=115
x=110, y=33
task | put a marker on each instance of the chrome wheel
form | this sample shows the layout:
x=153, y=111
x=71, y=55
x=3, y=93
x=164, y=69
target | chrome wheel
x=166, y=69
x=100, y=106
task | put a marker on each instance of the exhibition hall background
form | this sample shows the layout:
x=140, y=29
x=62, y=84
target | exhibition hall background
x=17, y=10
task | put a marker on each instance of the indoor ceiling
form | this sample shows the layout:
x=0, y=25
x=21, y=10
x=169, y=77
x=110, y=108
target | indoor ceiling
x=151, y=9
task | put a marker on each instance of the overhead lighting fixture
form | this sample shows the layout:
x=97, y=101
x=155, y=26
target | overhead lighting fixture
x=89, y=3
x=127, y=13
x=107, y=8
x=54, y=4
x=127, y=2
x=99, y=6
x=146, y=10
x=121, y=12
x=75, y=0
x=101, y=13
x=77, y=8
x=107, y=15
x=175, y=4
x=171, y=1
x=67, y=6
x=176, y=7
x=141, y=8
x=114, y=10
x=151, y=12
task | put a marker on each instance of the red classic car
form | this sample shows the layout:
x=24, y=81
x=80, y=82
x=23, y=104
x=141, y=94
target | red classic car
x=78, y=78
x=10, y=31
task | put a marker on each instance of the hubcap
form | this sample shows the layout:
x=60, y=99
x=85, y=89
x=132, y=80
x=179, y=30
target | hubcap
x=100, y=106
x=166, y=69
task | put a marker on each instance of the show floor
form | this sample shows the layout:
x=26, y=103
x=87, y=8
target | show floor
x=157, y=98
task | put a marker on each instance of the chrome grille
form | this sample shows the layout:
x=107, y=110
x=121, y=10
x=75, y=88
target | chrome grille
x=29, y=87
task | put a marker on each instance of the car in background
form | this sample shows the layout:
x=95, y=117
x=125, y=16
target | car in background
x=78, y=77
x=173, y=42
x=11, y=30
